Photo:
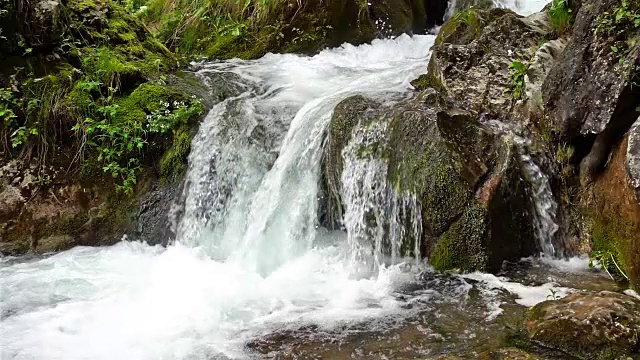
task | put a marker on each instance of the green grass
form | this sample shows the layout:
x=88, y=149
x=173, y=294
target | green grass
x=561, y=16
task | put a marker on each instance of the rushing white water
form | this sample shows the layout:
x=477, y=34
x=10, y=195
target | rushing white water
x=522, y=7
x=249, y=258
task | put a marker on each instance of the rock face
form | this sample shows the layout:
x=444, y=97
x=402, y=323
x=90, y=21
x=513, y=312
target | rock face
x=471, y=59
x=586, y=88
x=615, y=219
x=633, y=158
x=590, y=90
x=603, y=325
x=466, y=178
x=43, y=212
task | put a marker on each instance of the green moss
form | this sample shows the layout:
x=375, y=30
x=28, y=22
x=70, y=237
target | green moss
x=172, y=163
x=142, y=101
x=611, y=236
x=81, y=6
x=462, y=246
x=463, y=27
x=432, y=175
x=432, y=79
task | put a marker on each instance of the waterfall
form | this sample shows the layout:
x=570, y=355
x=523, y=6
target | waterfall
x=545, y=206
x=376, y=216
x=522, y=7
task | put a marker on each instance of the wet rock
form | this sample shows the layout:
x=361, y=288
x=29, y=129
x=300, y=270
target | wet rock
x=44, y=19
x=470, y=61
x=153, y=224
x=633, y=158
x=466, y=178
x=541, y=63
x=54, y=243
x=603, y=325
x=509, y=354
x=10, y=200
x=614, y=215
x=585, y=90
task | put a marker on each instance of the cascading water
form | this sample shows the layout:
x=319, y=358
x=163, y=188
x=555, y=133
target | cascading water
x=545, y=205
x=522, y=7
x=376, y=216
x=248, y=257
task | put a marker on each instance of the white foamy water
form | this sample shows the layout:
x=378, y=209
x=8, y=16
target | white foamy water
x=522, y=7
x=249, y=258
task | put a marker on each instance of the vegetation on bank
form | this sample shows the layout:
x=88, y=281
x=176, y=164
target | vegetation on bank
x=89, y=94
x=245, y=29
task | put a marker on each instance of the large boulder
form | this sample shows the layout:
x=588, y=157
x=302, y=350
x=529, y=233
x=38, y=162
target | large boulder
x=603, y=325
x=470, y=64
x=615, y=213
x=585, y=90
x=590, y=95
x=474, y=211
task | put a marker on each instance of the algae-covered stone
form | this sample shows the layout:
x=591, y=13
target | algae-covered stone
x=614, y=218
x=443, y=157
x=603, y=325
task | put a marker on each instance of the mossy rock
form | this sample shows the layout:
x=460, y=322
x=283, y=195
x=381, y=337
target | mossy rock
x=467, y=24
x=603, y=325
x=462, y=246
x=613, y=216
x=474, y=208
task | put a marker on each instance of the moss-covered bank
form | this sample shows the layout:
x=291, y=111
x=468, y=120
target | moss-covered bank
x=91, y=116
x=225, y=29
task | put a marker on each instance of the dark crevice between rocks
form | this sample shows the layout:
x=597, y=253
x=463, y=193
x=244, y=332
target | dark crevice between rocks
x=436, y=10
x=600, y=145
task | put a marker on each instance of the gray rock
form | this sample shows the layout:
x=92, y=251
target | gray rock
x=471, y=64
x=633, y=158
x=54, y=243
x=541, y=63
x=585, y=87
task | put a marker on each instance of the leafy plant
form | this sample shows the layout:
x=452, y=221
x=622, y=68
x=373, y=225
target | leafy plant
x=469, y=17
x=518, y=71
x=7, y=101
x=553, y=295
x=607, y=260
x=119, y=141
x=560, y=14
x=617, y=24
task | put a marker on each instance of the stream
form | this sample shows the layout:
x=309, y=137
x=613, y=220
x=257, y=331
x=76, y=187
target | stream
x=251, y=274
